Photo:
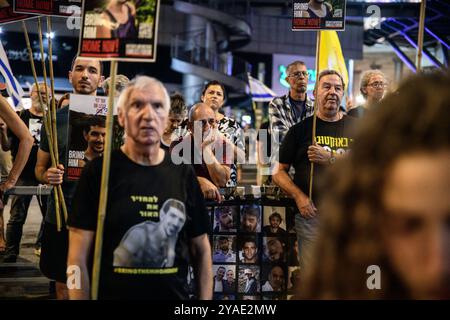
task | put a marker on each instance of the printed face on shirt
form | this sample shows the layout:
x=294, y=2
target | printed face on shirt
x=145, y=115
x=85, y=76
x=174, y=221
x=416, y=224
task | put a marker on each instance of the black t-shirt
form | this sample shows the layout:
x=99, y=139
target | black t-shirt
x=357, y=112
x=34, y=125
x=336, y=136
x=145, y=247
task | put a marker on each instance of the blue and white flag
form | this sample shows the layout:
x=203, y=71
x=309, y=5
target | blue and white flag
x=12, y=85
x=259, y=91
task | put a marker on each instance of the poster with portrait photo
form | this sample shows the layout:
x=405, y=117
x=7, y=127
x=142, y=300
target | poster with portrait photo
x=250, y=221
x=225, y=219
x=7, y=13
x=224, y=279
x=249, y=249
x=273, y=278
x=224, y=249
x=249, y=280
x=274, y=222
x=59, y=8
x=123, y=30
x=87, y=117
x=274, y=250
x=318, y=15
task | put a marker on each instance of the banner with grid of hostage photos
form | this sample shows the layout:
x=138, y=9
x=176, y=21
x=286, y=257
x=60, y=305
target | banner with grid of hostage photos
x=254, y=250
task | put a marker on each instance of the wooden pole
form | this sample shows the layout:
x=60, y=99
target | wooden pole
x=311, y=173
x=420, y=35
x=104, y=184
x=53, y=115
x=46, y=125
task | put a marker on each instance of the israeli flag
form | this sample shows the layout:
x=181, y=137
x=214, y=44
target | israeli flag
x=12, y=85
x=259, y=91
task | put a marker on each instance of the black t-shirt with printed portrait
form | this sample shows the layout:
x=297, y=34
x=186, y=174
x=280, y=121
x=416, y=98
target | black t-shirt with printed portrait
x=336, y=136
x=139, y=260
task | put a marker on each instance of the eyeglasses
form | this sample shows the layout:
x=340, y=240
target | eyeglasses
x=210, y=121
x=299, y=74
x=377, y=85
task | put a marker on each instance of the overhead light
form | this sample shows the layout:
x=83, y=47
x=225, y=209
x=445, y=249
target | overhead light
x=1, y=30
x=50, y=35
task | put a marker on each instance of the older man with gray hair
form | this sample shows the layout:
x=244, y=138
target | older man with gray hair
x=373, y=87
x=333, y=139
x=141, y=184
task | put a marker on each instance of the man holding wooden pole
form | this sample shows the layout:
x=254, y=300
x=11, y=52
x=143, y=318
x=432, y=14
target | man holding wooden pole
x=85, y=77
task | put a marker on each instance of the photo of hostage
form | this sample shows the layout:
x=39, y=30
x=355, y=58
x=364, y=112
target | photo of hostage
x=251, y=218
x=94, y=134
x=118, y=20
x=275, y=280
x=223, y=249
x=225, y=219
x=274, y=250
x=152, y=244
x=274, y=227
x=249, y=250
x=248, y=280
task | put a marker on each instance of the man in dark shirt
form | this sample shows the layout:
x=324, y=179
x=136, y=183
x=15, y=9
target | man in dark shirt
x=156, y=220
x=333, y=139
x=85, y=77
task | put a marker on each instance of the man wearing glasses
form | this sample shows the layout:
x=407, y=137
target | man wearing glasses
x=373, y=87
x=287, y=110
x=206, y=149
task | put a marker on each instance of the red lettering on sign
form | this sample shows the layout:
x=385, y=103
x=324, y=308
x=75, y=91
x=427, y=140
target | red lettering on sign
x=91, y=46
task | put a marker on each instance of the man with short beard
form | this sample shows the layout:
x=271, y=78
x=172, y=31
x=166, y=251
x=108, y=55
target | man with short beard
x=333, y=139
x=20, y=203
x=86, y=77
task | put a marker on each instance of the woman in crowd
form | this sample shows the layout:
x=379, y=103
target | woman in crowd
x=20, y=130
x=214, y=95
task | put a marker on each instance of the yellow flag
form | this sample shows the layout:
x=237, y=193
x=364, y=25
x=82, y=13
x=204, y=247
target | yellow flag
x=331, y=54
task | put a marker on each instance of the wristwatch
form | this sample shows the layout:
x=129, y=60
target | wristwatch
x=332, y=158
